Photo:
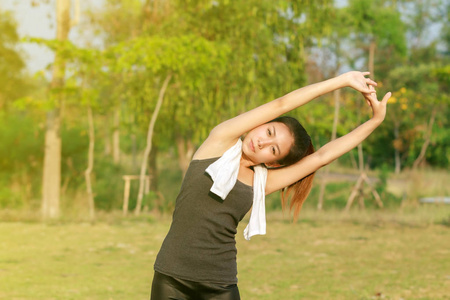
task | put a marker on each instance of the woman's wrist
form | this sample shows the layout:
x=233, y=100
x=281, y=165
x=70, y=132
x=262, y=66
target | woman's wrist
x=376, y=121
x=334, y=83
x=342, y=81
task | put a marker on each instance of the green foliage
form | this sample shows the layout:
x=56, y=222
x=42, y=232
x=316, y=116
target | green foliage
x=73, y=154
x=442, y=74
x=336, y=193
x=373, y=21
x=108, y=184
x=21, y=156
x=11, y=60
x=184, y=54
x=380, y=22
x=145, y=61
x=15, y=83
x=418, y=90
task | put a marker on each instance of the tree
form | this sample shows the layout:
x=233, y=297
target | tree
x=145, y=61
x=267, y=58
x=88, y=70
x=360, y=33
x=376, y=25
x=148, y=147
x=421, y=98
x=18, y=168
x=330, y=46
x=51, y=181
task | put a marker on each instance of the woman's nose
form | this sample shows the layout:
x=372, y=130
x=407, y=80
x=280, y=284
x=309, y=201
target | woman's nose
x=263, y=143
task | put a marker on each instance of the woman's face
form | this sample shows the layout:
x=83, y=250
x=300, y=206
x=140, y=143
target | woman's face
x=267, y=143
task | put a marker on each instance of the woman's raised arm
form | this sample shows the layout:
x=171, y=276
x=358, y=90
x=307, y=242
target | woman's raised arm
x=283, y=177
x=237, y=126
x=225, y=134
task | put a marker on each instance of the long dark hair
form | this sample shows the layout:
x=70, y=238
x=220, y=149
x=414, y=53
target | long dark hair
x=297, y=192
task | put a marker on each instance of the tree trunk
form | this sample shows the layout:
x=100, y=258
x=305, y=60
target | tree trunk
x=116, y=137
x=148, y=148
x=185, y=152
x=133, y=153
x=107, y=147
x=425, y=145
x=87, y=173
x=360, y=146
x=358, y=188
x=360, y=158
x=372, y=48
x=153, y=169
x=51, y=181
x=355, y=191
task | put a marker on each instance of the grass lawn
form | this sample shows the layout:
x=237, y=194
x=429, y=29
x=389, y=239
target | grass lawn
x=364, y=255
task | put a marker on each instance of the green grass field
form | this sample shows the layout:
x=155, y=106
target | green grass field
x=362, y=255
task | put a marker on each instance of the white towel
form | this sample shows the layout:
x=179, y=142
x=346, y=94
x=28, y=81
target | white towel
x=224, y=172
x=257, y=223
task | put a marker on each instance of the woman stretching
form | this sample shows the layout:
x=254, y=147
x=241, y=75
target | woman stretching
x=242, y=160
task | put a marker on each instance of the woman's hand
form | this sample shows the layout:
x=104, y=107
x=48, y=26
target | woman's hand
x=358, y=81
x=378, y=107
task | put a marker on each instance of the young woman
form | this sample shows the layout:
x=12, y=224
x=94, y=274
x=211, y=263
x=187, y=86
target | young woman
x=229, y=174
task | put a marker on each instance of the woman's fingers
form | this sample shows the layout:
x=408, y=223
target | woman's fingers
x=371, y=95
x=370, y=99
x=381, y=105
x=368, y=81
x=360, y=82
x=386, y=98
x=368, y=86
x=378, y=107
x=371, y=82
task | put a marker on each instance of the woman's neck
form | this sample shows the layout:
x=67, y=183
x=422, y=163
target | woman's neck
x=246, y=162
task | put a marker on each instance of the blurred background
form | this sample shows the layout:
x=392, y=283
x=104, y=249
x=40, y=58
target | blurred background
x=81, y=82
x=104, y=102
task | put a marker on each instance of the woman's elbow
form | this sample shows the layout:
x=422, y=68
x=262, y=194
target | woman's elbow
x=323, y=158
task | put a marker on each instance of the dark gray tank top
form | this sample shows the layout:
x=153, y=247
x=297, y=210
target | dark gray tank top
x=200, y=245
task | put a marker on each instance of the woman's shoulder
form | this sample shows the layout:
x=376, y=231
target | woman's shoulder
x=213, y=148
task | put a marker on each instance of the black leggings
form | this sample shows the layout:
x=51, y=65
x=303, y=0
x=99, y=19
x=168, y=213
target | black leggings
x=169, y=288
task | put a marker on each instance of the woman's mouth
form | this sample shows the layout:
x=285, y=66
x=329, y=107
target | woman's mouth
x=252, y=147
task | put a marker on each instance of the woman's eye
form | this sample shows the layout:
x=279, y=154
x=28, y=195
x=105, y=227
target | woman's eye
x=269, y=132
x=273, y=150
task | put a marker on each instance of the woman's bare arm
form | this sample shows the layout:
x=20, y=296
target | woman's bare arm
x=280, y=178
x=225, y=134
